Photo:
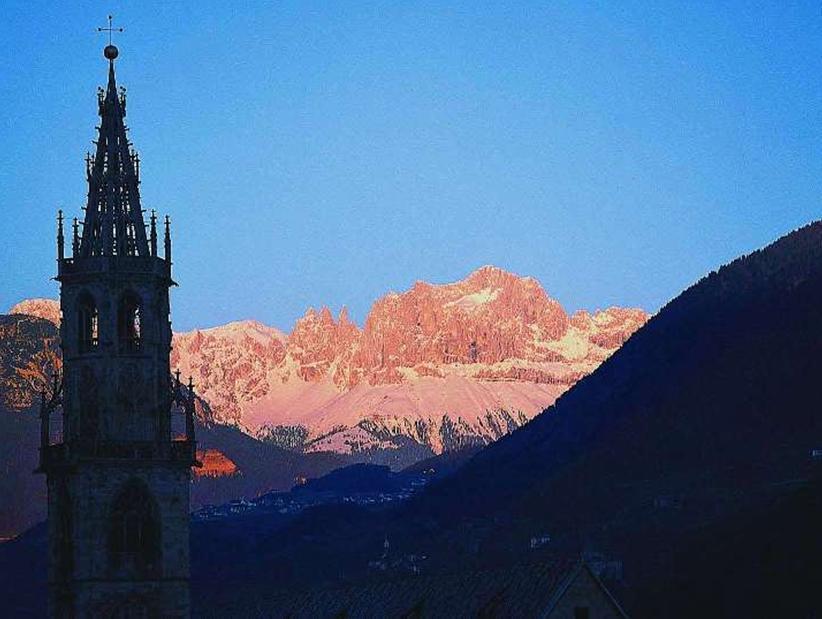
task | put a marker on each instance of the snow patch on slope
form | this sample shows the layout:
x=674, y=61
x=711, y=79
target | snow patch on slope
x=474, y=300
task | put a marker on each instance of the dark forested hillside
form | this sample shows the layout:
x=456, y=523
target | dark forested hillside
x=28, y=356
x=22, y=493
x=720, y=387
x=721, y=384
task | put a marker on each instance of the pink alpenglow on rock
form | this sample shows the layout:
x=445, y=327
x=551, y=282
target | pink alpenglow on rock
x=47, y=309
x=437, y=363
x=442, y=365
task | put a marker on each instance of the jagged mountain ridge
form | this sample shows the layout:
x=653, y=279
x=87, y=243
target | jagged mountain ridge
x=444, y=366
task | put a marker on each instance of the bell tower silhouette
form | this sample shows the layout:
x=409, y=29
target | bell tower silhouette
x=117, y=468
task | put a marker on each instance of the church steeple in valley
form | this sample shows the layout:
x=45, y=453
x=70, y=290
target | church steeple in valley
x=118, y=459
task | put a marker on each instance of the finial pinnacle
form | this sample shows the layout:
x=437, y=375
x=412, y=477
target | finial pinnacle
x=60, y=237
x=152, y=238
x=167, y=240
x=110, y=51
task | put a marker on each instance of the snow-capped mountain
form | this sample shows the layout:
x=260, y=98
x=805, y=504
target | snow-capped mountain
x=441, y=365
x=47, y=309
x=437, y=366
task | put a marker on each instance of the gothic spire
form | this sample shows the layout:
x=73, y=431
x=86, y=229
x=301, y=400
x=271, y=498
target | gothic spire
x=114, y=219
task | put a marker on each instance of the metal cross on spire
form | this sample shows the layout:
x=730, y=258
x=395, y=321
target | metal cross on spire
x=110, y=29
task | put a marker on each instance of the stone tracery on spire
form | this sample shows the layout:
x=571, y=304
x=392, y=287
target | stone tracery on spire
x=114, y=222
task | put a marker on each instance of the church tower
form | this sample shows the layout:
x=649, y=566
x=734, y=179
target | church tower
x=118, y=462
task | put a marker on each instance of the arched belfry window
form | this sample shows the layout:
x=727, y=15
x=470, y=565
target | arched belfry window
x=129, y=329
x=88, y=320
x=134, y=531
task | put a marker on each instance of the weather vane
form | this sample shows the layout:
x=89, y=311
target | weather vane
x=110, y=51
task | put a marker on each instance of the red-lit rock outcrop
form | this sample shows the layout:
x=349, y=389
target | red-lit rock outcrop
x=215, y=464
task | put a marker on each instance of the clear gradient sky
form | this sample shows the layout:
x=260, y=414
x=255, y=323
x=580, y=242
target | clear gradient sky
x=325, y=153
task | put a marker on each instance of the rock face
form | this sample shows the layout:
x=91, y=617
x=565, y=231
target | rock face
x=47, y=309
x=215, y=464
x=445, y=366
x=29, y=355
x=230, y=364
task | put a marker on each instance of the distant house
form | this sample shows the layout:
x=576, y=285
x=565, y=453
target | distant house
x=550, y=590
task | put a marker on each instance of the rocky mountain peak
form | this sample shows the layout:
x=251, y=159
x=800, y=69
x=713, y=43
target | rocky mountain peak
x=343, y=319
x=436, y=363
x=47, y=309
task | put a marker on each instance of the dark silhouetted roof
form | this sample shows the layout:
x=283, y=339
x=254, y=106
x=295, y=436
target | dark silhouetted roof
x=520, y=590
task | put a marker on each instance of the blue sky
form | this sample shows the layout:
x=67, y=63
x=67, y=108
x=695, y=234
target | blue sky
x=325, y=153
